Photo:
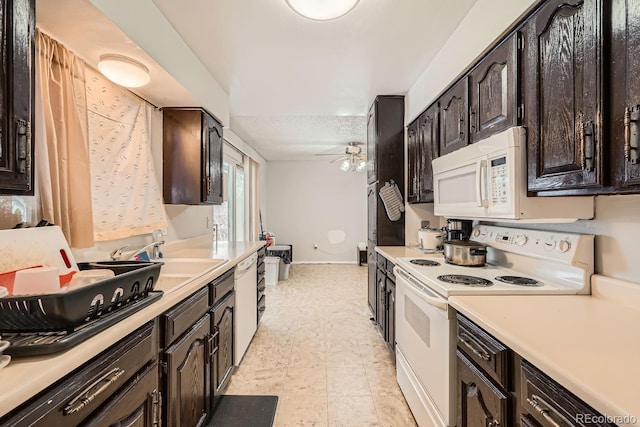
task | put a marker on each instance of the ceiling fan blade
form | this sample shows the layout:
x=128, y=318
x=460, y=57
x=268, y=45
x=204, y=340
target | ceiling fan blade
x=329, y=154
x=339, y=159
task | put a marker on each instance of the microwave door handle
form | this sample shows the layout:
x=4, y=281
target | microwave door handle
x=480, y=183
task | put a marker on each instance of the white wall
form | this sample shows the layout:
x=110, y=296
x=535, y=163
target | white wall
x=308, y=200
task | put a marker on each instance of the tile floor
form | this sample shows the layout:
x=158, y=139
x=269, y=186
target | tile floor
x=318, y=351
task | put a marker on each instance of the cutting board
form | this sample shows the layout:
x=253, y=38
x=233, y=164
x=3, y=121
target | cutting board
x=28, y=247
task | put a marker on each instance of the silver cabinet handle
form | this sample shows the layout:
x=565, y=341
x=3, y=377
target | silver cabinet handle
x=631, y=134
x=90, y=393
x=544, y=409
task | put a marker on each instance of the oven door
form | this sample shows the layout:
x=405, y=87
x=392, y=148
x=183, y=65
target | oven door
x=424, y=339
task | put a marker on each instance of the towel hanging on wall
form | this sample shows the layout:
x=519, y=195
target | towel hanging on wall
x=392, y=200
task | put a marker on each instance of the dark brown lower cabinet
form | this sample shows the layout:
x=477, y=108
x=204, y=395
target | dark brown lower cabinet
x=122, y=380
x=188, y=398
x=481, y=402
x=135, y=405
x=223, y=317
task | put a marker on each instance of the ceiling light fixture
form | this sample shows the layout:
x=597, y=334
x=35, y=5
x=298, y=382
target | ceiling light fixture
x=322, y=10
x=124, y=71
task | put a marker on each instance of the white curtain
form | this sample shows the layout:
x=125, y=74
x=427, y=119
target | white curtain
x=62, y=158
x=127, y=200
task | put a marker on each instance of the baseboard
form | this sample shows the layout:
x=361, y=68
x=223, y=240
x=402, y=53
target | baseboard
x=324, y=262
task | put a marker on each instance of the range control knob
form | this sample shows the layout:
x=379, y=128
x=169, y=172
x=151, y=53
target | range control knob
x=521, y=240
x=549, y=245
x=476, y=232
x=564, y=245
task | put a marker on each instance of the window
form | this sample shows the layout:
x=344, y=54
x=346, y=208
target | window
x=230, y=216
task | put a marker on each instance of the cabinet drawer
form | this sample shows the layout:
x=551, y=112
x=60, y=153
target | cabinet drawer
x=552, y=405
x=183, y=315
x=221, y=287
x=262, y=252
x=262, y=306
x=136, y=404
x=261, y=269
x=489, y=353
x=389, y=270
x=81, y=393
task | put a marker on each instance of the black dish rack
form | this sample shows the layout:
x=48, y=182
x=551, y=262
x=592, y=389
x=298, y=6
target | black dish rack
x=43, y=324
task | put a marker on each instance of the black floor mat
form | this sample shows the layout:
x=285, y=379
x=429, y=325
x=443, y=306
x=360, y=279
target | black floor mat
x=244, y=411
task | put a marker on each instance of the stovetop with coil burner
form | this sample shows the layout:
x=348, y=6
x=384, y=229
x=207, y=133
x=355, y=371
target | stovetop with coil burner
x=519, y=261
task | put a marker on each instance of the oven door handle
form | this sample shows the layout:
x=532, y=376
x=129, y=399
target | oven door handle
x=426, y=294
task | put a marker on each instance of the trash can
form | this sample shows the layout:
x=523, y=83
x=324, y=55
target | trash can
x=271, y=267
x=285, y=253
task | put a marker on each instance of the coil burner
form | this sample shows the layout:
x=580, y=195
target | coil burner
x=519, y=281
x=461, y=279
x=425, y=262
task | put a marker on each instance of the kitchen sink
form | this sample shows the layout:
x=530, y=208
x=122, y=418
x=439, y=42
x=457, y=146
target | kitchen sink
x=167, y=283
x=189, y=266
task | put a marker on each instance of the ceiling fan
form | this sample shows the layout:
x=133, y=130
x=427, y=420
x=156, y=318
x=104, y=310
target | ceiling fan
x=353, y=159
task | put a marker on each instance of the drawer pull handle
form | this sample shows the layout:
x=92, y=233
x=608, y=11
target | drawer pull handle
x=544, y=409
x=90, y=393
x=474, y=347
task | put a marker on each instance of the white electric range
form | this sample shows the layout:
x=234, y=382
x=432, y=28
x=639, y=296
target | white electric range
x=519, y=261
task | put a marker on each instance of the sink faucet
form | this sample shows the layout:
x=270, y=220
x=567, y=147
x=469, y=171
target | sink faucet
x=158, y=241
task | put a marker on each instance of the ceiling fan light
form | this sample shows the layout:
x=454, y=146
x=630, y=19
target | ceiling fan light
x=322, y=10
x=345, y=165
x=362, y=165
x=124, y=71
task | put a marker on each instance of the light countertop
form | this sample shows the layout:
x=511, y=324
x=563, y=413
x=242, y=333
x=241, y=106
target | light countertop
x=588, y=344
x=393, y=252
x=23, y=378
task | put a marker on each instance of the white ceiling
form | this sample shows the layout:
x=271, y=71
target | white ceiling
x=297, y=87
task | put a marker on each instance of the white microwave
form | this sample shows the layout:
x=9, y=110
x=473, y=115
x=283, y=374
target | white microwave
x=488, y=180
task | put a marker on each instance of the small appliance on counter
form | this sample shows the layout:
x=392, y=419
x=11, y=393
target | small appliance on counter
x=430, y=238
x=458, y=229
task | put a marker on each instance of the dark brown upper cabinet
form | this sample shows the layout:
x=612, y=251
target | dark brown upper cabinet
x=413, y=162
x=563, y=95
x=385, y=139
x=192, y=157
x=17, y=24
x=625, y=94
x=493, y=98
x=422, y=141
x=454, y=123
x=429, y=147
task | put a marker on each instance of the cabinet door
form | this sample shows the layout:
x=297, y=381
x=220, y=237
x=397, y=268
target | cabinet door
x=188, y=388
x=381, y=309
x=428, y=140
x=16, y=96
x=391, y=315
x=453, y=118
x=372, y=140
x=135, y=405
x=493, y=94
x=481, y=402
x=413, y=162
x=563, y=99
x=625, y=93
x=371, y=280
x=223, y=318
x=212, y=187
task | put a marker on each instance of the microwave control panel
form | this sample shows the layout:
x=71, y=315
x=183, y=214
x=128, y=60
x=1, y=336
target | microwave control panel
x=499, y=181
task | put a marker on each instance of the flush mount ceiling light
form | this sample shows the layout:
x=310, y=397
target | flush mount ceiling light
x=322, y=10
x=124, y=71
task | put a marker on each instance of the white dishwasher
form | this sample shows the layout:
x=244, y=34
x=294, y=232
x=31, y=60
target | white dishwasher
x=246, y=308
